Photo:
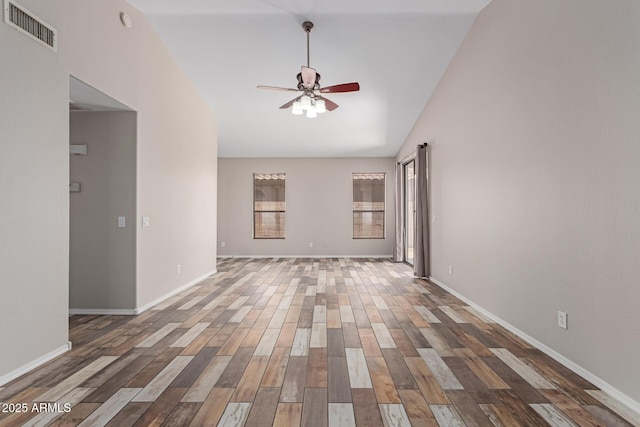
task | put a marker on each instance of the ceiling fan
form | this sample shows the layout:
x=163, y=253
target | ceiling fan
x=310, y=101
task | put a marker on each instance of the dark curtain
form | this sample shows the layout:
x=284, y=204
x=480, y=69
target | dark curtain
x=421, y=250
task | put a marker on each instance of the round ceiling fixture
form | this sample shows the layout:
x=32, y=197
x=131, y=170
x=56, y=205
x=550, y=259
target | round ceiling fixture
x=126, y=20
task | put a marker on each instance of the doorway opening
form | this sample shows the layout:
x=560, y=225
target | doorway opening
x=409, y=220
x=102, y=202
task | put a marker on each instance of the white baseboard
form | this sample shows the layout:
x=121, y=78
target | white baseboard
x=589, y=376
x=136, y=311
x=174, y=292
x=4, y=379
x=304, y=256
x=102, y=312
x=63, y=349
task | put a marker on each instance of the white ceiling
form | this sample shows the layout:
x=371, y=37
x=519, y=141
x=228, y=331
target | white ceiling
x=83, y=97
x=397, y=51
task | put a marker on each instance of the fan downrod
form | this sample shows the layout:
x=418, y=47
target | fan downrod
x=307, y=26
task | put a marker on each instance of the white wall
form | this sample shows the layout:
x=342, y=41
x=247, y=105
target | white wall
x=319, y=207
x=176, y=166
x=534, y=176
x=34, y=199
x=102, y=265
x=177, y=140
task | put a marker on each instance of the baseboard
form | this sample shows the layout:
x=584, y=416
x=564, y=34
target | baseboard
x=174, y=292
x=34, y=364
x=305, y=256
x=102, y=312
x=136, y=311
x=589, y=376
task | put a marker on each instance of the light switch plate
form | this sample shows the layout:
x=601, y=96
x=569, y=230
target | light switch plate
x=145, y=221
x=122, y=222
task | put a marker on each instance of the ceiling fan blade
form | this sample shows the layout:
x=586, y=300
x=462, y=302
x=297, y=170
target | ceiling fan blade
x=285, y=89
x=288, y=104
x=345, y=87
x=330, y=105
x=308, y=76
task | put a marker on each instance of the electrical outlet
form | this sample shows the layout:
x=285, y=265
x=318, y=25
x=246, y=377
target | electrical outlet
x=223, y=244
x=451, y=269
x=310, y=244
x=433, y=218
x=179, y=269
x=562, y=319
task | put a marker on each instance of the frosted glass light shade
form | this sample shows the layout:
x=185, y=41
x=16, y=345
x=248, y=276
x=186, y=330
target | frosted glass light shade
x=297, y=108
x=305, y=101
x=311, y=112
x=320, y=106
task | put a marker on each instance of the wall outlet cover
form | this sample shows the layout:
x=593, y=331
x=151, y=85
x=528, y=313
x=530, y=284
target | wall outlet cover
x=562, y=319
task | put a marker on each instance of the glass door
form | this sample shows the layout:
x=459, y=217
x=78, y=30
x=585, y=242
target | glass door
x=409, y=174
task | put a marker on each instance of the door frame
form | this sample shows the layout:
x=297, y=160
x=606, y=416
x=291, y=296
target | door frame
x=405, y=239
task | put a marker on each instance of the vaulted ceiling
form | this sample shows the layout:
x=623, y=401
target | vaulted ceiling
x=397, y=51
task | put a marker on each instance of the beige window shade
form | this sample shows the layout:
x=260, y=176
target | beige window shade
x=269, y=206
x=368, y=205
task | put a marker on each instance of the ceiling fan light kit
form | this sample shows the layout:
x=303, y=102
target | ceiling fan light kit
x=310, y=105
x=310, y=102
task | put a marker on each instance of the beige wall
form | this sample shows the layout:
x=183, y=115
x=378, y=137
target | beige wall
x=102, y=264
x=319, y=207
x=176, y=166
x=534, y=176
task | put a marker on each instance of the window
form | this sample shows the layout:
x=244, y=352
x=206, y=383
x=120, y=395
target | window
x=268, y=205
x=368, y=205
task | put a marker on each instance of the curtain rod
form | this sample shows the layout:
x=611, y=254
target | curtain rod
x=408, y=157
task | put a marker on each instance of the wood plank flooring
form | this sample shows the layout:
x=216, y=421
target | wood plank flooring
x=311, y=342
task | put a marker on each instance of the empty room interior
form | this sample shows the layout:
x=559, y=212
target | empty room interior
x=320, y=213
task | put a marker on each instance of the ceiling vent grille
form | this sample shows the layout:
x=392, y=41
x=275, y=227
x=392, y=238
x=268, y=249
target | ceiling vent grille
x=27, y=23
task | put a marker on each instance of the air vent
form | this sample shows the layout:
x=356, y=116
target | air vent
x=29, y=24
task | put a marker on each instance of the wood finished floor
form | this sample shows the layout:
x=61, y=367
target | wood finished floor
x=310, y=342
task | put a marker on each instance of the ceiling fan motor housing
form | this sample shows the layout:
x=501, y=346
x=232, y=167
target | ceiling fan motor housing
x=301, y=85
